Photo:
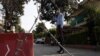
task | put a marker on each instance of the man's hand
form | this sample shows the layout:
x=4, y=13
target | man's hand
x=52, y=22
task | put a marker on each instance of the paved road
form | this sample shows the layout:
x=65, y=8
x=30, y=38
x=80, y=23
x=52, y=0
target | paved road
x=47, y=50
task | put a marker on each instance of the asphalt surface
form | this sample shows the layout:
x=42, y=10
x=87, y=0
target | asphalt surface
x=47, y=50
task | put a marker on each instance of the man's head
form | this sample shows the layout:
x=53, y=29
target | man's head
x=58, y=11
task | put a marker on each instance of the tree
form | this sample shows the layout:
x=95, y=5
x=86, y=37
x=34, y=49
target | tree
x=40, y=27
x=91, y=24
x=12, y=9
x=19, y=28
x=48, y=7
x=52, y=31
x=39, y=32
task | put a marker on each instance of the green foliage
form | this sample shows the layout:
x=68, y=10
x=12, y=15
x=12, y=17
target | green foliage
x=14, y=7
x=39, y=32
x=95, y=15
x=19, y=28
x=52, y=31
x=78, y=38
x=48, y=8
x=40, y=27
x=81, y=37
x=12, y=10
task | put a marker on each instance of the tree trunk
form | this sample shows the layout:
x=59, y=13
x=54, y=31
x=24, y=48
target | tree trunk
x=91, y=33
x=7, y=21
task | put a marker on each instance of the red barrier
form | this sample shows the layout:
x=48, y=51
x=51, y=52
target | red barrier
x=9, y=44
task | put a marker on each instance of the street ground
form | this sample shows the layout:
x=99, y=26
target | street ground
x=47, y=50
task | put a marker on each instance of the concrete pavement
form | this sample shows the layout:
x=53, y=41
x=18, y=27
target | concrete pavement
x=47, y=50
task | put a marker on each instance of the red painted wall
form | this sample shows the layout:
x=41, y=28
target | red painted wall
x=10, y=41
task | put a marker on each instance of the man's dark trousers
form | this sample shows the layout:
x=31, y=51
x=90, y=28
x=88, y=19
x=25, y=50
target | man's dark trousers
x=60, y=36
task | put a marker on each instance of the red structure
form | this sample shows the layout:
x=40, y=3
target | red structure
x=16, y=44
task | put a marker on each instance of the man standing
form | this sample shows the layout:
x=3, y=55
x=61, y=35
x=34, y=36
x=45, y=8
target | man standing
x=59, y=19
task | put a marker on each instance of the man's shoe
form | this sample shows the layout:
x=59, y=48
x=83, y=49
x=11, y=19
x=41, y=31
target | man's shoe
x=60, y=52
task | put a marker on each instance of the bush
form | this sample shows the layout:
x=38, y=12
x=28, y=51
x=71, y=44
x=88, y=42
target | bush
x=76, y=38
x=81, y=37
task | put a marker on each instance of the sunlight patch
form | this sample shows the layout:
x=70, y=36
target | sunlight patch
x=56, y=55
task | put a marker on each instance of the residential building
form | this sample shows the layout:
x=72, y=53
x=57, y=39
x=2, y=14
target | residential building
x=80, y=15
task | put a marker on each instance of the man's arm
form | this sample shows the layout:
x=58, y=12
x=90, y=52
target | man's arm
x=53, y=20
